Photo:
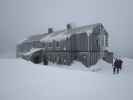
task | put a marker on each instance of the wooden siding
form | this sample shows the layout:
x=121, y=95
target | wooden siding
x=81, y=47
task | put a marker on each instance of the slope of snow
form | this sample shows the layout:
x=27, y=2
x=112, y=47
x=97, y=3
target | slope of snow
x=105, y=68
x=22, y=80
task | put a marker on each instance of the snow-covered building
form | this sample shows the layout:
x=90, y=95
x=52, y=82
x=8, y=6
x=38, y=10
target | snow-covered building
x=86, y=44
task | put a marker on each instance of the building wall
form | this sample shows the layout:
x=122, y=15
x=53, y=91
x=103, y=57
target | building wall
x=80, y=47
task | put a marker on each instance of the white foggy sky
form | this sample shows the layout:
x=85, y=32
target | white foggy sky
x=21, y=18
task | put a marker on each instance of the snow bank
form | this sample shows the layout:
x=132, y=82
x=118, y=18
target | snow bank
x=22, y=80
x=103, y=67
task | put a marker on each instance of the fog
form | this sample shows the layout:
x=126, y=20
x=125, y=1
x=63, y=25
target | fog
x=22, y=18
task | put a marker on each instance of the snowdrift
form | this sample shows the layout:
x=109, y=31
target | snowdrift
x=22, y=80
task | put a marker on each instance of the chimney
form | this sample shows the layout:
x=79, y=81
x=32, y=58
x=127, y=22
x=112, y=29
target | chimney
x=50, y=30
x=69, y=26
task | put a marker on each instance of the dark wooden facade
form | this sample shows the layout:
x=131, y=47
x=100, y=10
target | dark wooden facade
x=86, y=44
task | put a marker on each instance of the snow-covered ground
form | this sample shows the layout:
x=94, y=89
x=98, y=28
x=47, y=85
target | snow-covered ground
x=22, y=80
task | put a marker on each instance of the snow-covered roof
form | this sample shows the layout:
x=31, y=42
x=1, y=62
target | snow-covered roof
x=32, y=51
x=62, y=34
x=32, y=38
x=37, y=37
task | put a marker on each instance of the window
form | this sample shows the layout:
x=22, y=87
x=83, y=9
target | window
x=103, y=42
x=97, y=43
x=49, y=44
x=64, y=61
x=64, y=48
x=84, y=57
x=43, y=44
x=57, y=44
x=104, y=38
